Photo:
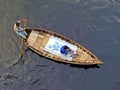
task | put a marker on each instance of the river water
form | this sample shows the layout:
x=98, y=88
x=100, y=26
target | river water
x=94, y=24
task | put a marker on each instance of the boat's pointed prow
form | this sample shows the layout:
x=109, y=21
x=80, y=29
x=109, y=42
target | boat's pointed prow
x=97, y=61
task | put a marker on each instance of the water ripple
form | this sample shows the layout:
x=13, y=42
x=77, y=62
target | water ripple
x=116, y=4
x=71, y=1
x=115, y=41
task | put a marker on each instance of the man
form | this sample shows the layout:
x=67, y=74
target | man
x=19, y=30
x=67, y=51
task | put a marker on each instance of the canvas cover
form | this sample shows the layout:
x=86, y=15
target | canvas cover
x=54, y=45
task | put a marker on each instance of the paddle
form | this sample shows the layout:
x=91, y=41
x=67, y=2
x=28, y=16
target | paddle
x=22, y=42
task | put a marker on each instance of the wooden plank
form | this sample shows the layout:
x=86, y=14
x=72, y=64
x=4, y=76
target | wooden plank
x=77, y=59
x=32, y=38
x=31, y=43
x=38, y=42
x=83, y=56
x=44, y=41
x=41, y=36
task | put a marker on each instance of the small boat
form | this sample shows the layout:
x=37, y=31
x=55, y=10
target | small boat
x=48, y=44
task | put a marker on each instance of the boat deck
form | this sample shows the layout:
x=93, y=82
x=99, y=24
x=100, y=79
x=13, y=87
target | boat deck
x=38, y=41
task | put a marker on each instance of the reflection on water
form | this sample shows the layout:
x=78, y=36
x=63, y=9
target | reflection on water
x=94, y=24
x=71, y=1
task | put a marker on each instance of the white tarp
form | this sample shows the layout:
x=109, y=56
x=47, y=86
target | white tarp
x=54, y=44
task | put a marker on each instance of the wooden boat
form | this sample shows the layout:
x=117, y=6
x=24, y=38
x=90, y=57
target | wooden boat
x=48, y=43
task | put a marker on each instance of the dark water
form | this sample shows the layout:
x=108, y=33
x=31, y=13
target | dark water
x=94, y=24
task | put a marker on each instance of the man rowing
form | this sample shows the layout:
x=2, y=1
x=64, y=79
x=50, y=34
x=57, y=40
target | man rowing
x=19, y=29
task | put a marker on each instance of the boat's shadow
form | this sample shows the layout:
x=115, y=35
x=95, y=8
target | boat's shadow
x=84, y=66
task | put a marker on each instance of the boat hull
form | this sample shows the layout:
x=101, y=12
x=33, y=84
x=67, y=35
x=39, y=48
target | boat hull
x=48, y=43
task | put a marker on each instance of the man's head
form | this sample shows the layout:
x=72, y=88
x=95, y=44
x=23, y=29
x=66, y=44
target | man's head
x=66, y=47
x=17, y=24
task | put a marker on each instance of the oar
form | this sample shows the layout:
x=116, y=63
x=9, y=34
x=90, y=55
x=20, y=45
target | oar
x=22, y=42
x=21, y=48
